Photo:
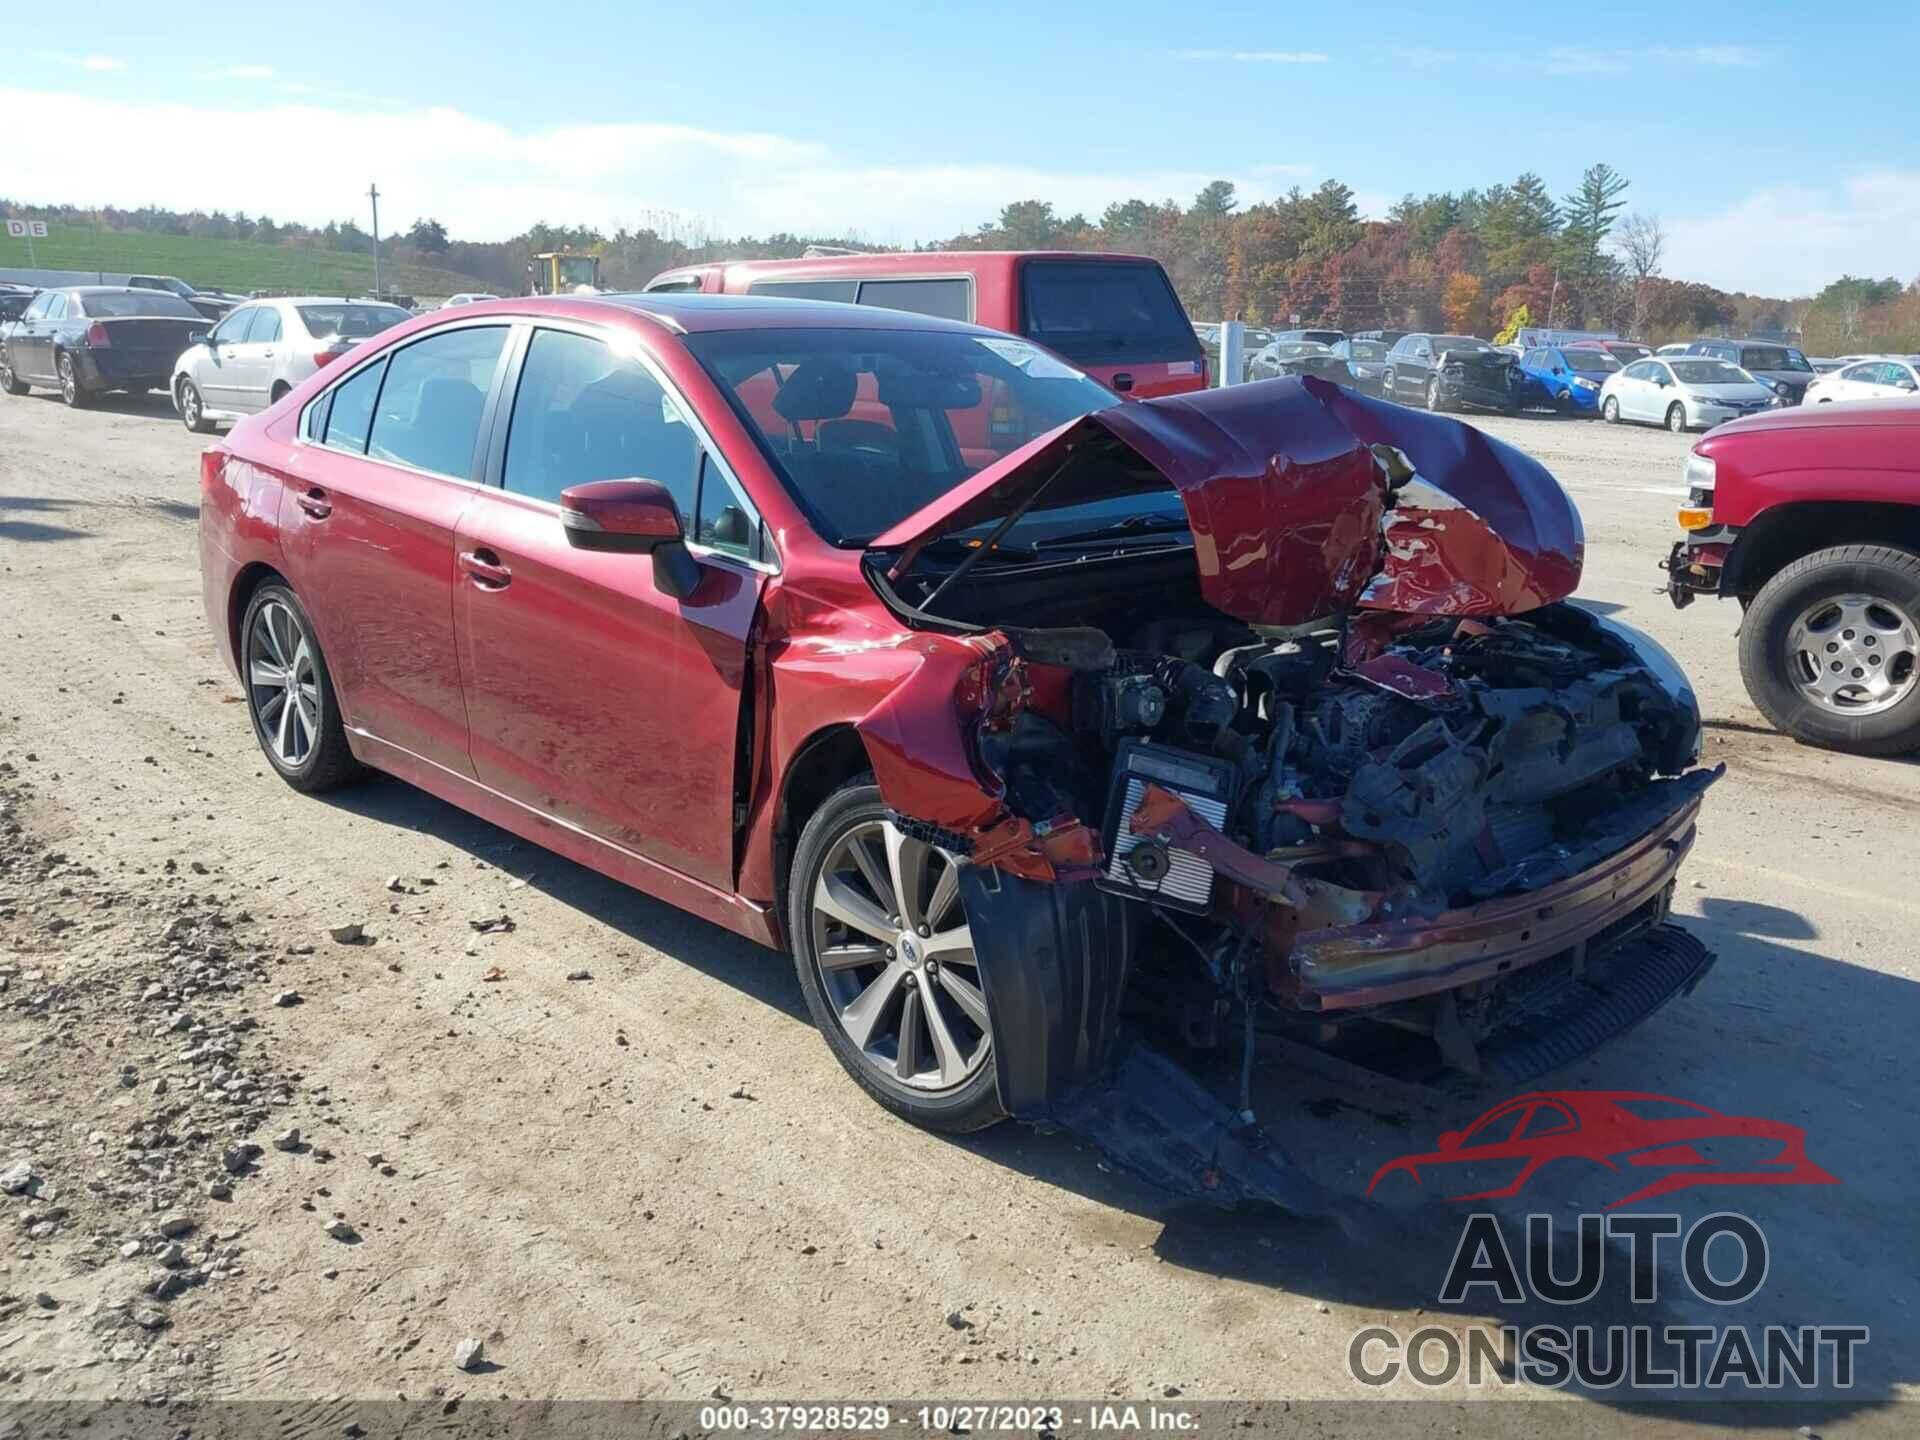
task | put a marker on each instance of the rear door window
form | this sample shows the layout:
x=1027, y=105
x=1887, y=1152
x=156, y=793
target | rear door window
x=350, y=410
x=582, y=413
x=266, y=327
x=435, y=394
x=841, y=292
x=948, y=299
x=57, y=308
x=1104, y=313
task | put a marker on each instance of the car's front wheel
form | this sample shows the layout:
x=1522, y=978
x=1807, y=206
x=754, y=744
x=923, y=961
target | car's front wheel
x=1435, y=401
x=290, y=697
x=1677, y=418
x=1830, y=649
x=1610, y=410
x=193, y=410
x=886, y=962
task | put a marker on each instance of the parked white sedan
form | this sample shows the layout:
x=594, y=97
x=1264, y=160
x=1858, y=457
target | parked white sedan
x=1683, y=392
x=1889, y=377
x=264, y=349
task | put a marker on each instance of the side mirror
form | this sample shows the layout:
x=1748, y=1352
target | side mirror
x=1906, y=384
x=199, y=337
x=1450, y=1140
x=632, y=517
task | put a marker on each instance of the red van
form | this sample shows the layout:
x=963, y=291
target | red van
x=1115, y=316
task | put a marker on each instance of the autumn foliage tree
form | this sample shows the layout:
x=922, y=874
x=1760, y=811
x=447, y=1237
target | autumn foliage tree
x=1465, y=304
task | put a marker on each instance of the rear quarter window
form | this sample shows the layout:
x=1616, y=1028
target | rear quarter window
x=840, y=291
x=1104, y=313
x=948, y=299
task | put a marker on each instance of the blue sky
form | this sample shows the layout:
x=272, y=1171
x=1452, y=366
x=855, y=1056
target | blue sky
x=1777, y=141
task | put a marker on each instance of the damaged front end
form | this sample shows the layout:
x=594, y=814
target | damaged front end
x=1338, y=762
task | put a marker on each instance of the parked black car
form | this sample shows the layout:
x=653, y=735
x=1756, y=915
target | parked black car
x=1366, y=361
x=1446, y=371
x=1320, y=336
x=14, y=299
x=1296, y=357
x=87, y=339
x=213, y=304
x=1782, y=368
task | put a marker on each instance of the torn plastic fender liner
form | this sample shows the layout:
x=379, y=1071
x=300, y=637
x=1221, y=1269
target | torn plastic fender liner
x=1053, y=961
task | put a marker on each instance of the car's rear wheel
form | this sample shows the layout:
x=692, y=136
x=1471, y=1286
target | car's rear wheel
x=886, y=962
x=1677, y=418
x=71, y=390
x=1610, y=410
x=193, y=410
x=10, y=382
x=1830, y=649
x=290, y=697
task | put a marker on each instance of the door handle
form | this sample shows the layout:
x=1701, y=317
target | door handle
x=483, y=567
x=266, y=354
x=316, y=504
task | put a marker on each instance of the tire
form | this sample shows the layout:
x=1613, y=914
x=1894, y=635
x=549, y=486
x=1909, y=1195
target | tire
x=1610, y=410
x=10, y=382
x=278, y=393
x=850, y=842
x=193, y=409
x=307, y=744
x=71, y=390
x=1386, y=385
x=1677, y=418
x=1863, y=600
x=1434, y=401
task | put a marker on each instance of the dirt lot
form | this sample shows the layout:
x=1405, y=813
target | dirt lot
x=655, y=1181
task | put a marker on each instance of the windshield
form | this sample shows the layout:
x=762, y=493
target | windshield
x=1629, y=353
x=864, y=427
x=1368, y=350
x=1591, y=362
x=1773, y=357
x=1709, y=372
x=576, y=270
x=349, y=322
x=113, y=304
x=1294, y=350
x=1458, y=342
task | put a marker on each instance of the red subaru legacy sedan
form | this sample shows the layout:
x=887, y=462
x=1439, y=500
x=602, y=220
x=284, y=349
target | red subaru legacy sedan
x=1023, y=715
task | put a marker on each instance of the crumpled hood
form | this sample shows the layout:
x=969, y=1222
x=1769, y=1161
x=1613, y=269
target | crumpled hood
x=1285, y=496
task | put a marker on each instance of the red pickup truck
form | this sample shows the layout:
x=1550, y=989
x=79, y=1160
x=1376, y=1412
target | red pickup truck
x=1810, y=518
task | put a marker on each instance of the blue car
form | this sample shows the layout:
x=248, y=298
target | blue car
x=1569, y=377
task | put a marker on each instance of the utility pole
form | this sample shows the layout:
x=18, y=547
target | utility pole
x=373, y=194
x=1553, y=299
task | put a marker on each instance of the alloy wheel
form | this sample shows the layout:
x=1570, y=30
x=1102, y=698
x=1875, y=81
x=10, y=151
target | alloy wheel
x=283, y=683
x=69, y=382
x=190, y=404
x=1854, y=655
x=895, y=958
x=1677, y=418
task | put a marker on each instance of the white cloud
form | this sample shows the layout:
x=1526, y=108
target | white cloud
x=1792, y=239
x=99, y=64
x=1256, y=57
x=485, y=180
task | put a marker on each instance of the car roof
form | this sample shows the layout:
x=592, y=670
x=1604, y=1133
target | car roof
x=918, y=263
x=102, y=289
x=694, y=313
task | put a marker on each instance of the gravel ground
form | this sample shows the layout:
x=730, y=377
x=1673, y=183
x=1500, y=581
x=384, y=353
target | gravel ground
x=267, y=1163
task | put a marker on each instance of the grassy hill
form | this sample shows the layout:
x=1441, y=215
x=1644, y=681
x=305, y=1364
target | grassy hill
x=237, y=265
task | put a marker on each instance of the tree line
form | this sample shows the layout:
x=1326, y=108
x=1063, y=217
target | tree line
x=1468, y=261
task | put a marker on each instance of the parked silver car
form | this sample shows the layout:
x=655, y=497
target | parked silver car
x=1683, y=392
x=264, y=349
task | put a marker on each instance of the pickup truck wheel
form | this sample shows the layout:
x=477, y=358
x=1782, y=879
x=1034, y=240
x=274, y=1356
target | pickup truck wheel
x=1830, y=649
x=885, y=960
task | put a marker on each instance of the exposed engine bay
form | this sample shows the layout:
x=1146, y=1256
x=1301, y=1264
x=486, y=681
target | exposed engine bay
x=1341, y=760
